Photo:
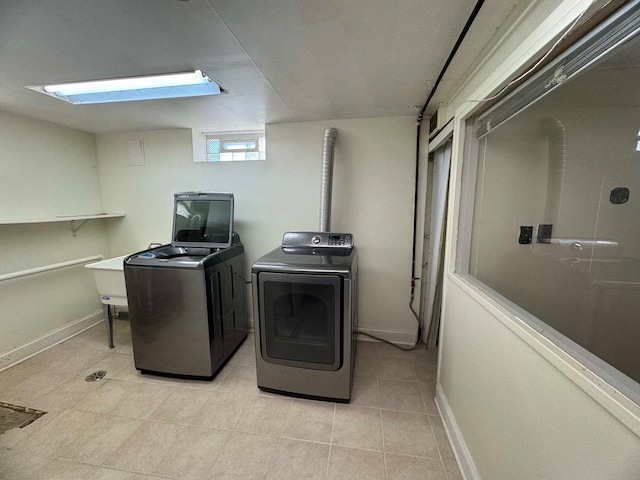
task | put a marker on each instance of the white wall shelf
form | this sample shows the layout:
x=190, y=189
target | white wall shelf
x=76, y=220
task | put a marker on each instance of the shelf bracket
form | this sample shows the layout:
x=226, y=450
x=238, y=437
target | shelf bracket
x=76, y=224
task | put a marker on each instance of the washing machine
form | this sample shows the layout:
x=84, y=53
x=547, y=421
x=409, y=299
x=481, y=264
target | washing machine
x=187, y=299
x=305, y=297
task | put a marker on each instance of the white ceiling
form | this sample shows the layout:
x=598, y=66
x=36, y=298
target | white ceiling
x=280, y=60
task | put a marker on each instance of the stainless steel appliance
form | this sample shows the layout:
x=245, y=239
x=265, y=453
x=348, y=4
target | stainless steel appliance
x=186, y=300
x=305, y=296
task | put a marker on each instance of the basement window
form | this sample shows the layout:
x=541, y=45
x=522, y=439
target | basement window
x=551, y=193
x=235, y=147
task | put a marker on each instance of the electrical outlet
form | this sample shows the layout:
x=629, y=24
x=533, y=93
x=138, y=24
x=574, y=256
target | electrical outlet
x=544, y=233
x=619, y=195
x=526, y=234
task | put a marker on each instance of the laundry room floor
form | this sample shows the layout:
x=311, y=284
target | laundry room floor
x=128, y=426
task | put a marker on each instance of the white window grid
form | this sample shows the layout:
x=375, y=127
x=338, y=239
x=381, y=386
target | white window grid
x=234, y=147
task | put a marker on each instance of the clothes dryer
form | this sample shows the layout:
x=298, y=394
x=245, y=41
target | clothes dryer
x=305, y=298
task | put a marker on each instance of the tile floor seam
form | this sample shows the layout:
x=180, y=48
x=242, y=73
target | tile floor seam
x=123, y=399
x=76, y=409
x=272, y=458
x=375, y=366
x=384, y=457
x=160, y=406
x=235, y=424
x=259, y=434
x=165, y=453
x=379, y=396
x=226, y=374
x=222, y=447
x=54, y=454
x=273, y=435
x=230, y=430
x=166, y=422
x=178, y=385
x=286, y=417
x=398, y=381
x=379, y=451
x=326, y=474
x=348, y=405
x=373, y=451
x=305, y=440
x=64, y=459
x=403, y=411
x=409, y=455
x=81, y=398
x=437, y=443
x=415, y=373
x=446, y=474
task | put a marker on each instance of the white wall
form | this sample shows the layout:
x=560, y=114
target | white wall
x=372, y=198
x=515, y=405
x=45, y=170
x=519, y=415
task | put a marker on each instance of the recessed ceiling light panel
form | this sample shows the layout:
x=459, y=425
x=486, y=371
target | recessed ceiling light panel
x=175, y=85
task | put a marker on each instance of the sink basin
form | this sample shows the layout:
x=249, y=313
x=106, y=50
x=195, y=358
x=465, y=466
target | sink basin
x=109, y=275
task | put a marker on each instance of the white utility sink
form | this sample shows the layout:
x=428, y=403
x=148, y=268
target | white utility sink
x=109, y=275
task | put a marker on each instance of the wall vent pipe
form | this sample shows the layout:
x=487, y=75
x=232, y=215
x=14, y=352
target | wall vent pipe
x=556, y=133
x=327, y=178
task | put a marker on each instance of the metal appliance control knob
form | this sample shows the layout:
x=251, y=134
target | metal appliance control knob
x=316, y=240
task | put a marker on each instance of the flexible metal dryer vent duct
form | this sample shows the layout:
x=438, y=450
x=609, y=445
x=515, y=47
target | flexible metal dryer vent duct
x=330, y=135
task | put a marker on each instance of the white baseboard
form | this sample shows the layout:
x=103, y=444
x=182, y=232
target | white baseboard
x=48, y=340
x=400, y=338
x=460, y=450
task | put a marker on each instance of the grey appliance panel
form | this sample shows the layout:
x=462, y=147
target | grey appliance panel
x=303, y=346
x=303, y=261
x=307, y=382
x=318, y=240
x=186, y=320
x=170, y=326
x=231, y=307
x=185, y=257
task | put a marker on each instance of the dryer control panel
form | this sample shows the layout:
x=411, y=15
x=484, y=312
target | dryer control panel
x=317, y=240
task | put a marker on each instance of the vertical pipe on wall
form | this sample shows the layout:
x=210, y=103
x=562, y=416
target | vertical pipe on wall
x=556, y=132
x=327, y=178
x=421, y=113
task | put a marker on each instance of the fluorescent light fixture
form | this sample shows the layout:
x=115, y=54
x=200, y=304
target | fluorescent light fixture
x=175, y=85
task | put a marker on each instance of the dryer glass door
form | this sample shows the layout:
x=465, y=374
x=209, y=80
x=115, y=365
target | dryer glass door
x=300, y=320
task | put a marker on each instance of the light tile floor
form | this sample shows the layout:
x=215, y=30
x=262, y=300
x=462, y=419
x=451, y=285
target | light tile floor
x=129, y=426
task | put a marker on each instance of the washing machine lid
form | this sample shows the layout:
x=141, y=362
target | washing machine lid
x=202, y=219
x=168, y=256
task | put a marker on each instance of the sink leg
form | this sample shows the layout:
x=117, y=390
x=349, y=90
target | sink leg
x=109, y=322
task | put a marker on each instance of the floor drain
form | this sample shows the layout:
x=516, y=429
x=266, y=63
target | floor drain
x=95, y=376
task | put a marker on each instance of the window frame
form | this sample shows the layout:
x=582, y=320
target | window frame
x=471, y=127
x=225, y=139
x=201, y=138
